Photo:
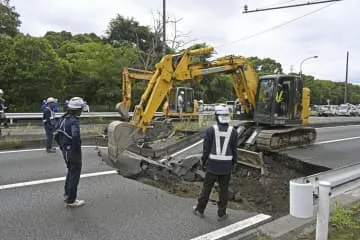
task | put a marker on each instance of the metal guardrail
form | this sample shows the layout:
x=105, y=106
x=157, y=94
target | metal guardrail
x=324, y=186
x=39, y=115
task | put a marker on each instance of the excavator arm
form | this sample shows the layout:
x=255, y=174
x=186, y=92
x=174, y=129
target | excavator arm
x=180, y=68
x=128, y=75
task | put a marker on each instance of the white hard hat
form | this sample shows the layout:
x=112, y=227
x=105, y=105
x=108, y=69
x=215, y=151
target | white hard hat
x=201, y=101
x=1, y=92
x=50, y=100
x=182, y=92
x=222, y=114
x=76, y=103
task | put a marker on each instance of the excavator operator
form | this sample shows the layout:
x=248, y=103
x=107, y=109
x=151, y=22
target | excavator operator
x=180, y=102
x=279, y=99
x=219, y=156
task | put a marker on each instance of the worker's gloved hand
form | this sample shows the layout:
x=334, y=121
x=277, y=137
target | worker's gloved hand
x=202, y=165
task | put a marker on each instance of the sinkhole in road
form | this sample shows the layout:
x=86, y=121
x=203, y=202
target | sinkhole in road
x=249, y=190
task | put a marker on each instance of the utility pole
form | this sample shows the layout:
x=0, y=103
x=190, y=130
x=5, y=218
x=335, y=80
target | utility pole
x=346, y=76
x=164, y=27
x=287, y=6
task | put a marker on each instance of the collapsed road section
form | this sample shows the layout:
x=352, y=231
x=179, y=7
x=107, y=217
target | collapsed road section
x=259, y=183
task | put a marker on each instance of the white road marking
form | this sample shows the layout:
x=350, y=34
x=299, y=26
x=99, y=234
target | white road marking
x=233, y=228
x=42, y=149
x=50, y=180
x=197, y=143
x=337, y=140
x=345, y=126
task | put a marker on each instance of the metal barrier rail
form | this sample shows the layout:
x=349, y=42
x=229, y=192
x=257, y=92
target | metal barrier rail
x=39, y=115
x=324, y=186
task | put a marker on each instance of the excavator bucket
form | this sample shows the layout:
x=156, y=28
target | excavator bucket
x=122, y=135
x=123, y=111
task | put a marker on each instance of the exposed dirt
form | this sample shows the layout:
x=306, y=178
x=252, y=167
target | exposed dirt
x=248, y=189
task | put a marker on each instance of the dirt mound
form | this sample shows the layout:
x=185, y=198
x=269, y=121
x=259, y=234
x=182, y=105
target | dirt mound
x=248, y=189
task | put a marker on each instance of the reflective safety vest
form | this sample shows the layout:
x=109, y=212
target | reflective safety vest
x=221, y=151
x=278, y=97
x=52, y=115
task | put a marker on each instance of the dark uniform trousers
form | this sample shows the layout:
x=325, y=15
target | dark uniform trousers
x=209, y=182
x=49, y=131
x=73, y=164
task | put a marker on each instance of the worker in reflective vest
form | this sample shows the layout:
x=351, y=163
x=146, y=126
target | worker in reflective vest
x=219, y=157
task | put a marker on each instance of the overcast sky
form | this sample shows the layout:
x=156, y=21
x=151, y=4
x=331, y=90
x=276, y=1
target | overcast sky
x=328, y=33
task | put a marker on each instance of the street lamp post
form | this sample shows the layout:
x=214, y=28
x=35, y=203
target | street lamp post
x=303, y=62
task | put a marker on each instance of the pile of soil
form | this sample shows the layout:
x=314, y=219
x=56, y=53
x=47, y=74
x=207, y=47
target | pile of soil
x=249, y=190
x=268, y=193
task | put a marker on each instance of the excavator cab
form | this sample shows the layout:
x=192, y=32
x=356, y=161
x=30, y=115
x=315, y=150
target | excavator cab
x=279, y=100
x=188, y=98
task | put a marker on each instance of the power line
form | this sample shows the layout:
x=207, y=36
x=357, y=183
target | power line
x=275, y=4
x=275, y=27
x=287, y=6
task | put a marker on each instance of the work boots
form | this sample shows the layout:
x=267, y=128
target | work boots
x=75, y=204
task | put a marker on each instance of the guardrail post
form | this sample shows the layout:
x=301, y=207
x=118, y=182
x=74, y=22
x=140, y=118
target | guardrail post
x=200, y=119
x=322, y=222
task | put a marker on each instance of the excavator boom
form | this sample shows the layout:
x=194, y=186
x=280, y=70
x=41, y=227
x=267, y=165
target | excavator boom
x=242, y=73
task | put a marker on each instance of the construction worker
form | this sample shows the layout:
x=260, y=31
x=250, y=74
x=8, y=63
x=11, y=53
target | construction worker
x=65, y=105
x=279, y=100
x=180, y=103
x=219, y=157
x=49, y=123
x=43, y=105
x=2, y=110
x=67, y=135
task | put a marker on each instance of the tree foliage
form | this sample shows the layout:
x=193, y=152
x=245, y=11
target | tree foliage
x=62, y=64
x=128, y=32
x=9, y=19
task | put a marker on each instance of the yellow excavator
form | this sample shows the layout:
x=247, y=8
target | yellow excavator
x=170, y=107
x=277, y=104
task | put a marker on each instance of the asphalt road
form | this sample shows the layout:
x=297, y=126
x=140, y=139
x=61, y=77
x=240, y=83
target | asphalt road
x=116, y=207
x=335, y=147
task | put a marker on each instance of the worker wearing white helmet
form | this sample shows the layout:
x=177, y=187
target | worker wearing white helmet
x=49, y=123
x=180, y=103
x=67, y=135
x=219, y=156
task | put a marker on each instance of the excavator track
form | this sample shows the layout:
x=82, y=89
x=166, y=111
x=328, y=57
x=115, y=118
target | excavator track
x=280, y=139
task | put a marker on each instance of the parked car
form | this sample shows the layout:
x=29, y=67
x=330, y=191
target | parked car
x=328, y=110
x=348, y=109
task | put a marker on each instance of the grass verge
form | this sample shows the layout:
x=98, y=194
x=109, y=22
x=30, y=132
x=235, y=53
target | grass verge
x=188, y=125
x=344, y=224
x=11, y=144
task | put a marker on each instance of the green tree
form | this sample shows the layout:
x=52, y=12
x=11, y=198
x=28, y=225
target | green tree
x=33, y=71
x=128, y=32
x=9, y=19
x=97, y=70
x=266, y=66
